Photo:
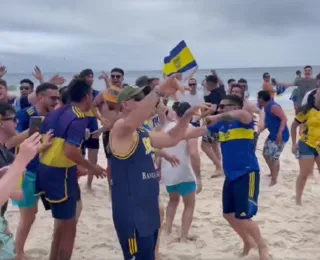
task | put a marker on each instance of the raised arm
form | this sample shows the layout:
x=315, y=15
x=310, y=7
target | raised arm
x=174, y=135
x=28, y=149
x=145, y=107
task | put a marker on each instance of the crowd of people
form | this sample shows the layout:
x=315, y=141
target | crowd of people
x=146, y=142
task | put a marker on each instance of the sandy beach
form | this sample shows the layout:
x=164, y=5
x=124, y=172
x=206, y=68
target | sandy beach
x=292, y=232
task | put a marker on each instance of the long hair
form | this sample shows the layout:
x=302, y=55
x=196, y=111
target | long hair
x=310, y=103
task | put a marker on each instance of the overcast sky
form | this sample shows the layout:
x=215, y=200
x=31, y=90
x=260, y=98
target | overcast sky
x=68, y=35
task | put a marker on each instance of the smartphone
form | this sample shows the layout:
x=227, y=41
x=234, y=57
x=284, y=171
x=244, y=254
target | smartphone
x=35, y=124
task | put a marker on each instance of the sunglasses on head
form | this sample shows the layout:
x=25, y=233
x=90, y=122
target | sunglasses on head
x=222, y=106
x=115, y=76
x=10, y=118
x=24, y=88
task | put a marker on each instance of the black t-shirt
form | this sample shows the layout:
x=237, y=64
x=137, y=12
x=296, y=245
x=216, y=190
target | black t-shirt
x=6, y=158
x=215, y=96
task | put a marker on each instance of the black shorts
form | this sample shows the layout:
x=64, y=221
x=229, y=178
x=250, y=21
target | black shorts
x=91, y=143
x=240, y=196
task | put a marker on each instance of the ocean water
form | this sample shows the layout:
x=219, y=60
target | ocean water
x=252, y=75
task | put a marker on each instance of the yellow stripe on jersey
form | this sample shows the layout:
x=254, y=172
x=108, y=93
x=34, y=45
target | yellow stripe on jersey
x=236, y=134
x=131, y=150
x=55, y=156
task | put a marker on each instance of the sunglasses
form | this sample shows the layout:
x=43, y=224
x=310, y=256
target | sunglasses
x=115, y=76
x=11, y=118
x=267, y=76
x=222, y=106
x=192, y=85
x=24, y=88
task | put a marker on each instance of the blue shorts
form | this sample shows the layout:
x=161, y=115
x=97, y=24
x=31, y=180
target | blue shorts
x=28, y=188
x=137, y=247
x=184, y=188
x=240, y=196
x=306, y=151
x=60, y=187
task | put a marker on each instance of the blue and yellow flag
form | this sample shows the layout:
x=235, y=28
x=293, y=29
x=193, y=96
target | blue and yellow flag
x=180, y=60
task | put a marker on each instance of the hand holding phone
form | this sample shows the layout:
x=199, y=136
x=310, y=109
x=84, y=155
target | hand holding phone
x=35, y=124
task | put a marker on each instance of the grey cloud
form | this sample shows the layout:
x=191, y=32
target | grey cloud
x=139, y=33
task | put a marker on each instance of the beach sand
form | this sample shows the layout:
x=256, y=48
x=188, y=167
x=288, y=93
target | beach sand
x=292, y=232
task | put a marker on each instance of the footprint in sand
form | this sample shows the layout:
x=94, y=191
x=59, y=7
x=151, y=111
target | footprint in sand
x=36, y=254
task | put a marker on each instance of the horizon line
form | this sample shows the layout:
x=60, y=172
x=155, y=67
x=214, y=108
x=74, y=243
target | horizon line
x=143, y=70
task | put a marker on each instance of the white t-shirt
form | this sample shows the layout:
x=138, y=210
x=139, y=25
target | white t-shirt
x=183, y=172
x=193, y=100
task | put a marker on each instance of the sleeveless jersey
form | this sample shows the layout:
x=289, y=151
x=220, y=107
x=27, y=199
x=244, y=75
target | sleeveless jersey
x=135, y=188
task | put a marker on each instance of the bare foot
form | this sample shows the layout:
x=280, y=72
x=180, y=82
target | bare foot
x=272, y=183
x=298, y=202
x=89, y=187
x=189, y=238
x=264, y=253
x=247, y=247
x=218, y=172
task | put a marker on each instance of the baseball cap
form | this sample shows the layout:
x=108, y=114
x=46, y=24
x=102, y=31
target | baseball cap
x=111, y=94
x=128, y=93
x=180, y=108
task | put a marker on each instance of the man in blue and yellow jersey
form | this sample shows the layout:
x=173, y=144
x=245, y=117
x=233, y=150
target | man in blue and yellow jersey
x=234, y=127
x=92, y=144
x=47, y=97
x=57, y=170
x=134, y=180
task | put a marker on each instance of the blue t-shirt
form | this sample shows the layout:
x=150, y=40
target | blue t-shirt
x=237, y=148
x=273, y=123
x=21, y=103
x=23, y=117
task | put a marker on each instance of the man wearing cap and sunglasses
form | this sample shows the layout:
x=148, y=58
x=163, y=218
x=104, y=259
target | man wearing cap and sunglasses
x=134, y=180
x=235, y=129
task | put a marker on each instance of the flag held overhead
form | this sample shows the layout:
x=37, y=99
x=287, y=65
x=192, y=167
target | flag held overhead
x=180, y=60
